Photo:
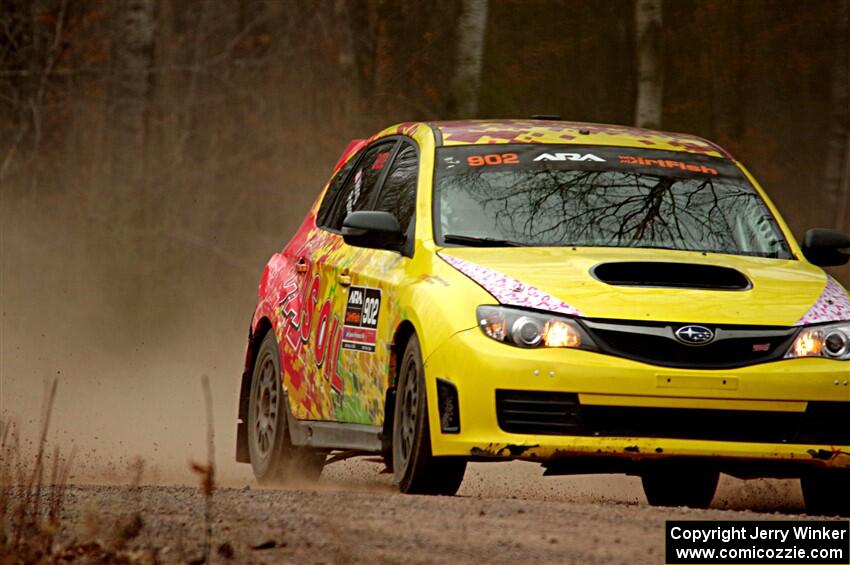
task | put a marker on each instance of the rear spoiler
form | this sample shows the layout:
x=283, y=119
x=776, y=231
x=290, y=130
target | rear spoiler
x=353, y=146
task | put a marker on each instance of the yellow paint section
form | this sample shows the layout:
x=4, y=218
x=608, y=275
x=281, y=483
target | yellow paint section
x=478, y=366
x=781, y=293
x=727, y=382
x=440, y=304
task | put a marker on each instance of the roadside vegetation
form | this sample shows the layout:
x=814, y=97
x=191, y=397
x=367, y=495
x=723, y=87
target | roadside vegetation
x=33, y=492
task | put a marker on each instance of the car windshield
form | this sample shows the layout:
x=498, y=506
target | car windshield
x=594, y=196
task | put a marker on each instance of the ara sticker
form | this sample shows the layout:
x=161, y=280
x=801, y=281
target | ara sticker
x=360, y=327
x=569, y=157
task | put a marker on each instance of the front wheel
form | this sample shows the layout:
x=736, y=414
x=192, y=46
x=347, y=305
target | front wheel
x=416, y=470
x=677, y=484
x=827, y=492
x=273, y=457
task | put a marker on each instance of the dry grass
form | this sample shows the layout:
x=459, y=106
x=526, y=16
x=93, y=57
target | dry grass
x=32, y=498
x=206, y=474
x=30, y=503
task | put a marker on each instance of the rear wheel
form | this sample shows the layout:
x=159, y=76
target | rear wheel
x=416, y=470
x=679, y=484
x=827, y=492
x=273, y=457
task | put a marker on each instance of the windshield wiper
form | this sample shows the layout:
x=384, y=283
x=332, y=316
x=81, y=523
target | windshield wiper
x=480, y=241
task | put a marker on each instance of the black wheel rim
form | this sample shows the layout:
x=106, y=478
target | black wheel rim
x=266, y=406
x=409, y=411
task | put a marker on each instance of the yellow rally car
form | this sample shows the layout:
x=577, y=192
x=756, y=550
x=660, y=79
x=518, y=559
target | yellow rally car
x=594, y=298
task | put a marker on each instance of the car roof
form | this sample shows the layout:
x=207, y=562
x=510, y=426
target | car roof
x=482, y=132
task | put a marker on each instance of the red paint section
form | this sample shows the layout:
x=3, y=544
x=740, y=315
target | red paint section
x=321, y=340
x=353, y=147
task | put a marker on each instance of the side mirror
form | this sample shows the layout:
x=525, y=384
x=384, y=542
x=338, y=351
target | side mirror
x=372, y=229
x=826, y=248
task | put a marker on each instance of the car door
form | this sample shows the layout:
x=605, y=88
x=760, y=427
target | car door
x=367, y=296
x=331, y=386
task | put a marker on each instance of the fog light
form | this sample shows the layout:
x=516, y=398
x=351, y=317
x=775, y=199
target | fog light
x=448, y=407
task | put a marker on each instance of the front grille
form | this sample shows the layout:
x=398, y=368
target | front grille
x=545, y=413
x=655, y=343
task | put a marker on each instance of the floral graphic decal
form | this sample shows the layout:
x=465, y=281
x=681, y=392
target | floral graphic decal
x=507, y=290
x=832, y=306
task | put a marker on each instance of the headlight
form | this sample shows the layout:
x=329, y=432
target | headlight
x=525, y=328
x=831, y=341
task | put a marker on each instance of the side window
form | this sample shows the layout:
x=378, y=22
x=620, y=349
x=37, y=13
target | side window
x=399, y=193
x=361, y=184
x=333, y=191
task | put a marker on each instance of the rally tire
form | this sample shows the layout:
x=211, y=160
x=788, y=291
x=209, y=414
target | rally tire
x=673, y=484
x=275, y=461
x=827, y=492
x=415, y=469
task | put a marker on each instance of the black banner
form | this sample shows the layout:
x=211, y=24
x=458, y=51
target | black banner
x=758, y=542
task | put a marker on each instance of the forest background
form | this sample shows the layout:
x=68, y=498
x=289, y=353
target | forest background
x=154, y=153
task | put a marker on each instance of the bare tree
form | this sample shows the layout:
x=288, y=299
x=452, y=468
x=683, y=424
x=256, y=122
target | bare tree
x=471, y=31
x=132, y=49
x=837, y=175
x=650, y=76
x=726, y=85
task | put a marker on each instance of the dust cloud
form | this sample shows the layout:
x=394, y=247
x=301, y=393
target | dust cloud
x=128, y=359
x=129, y=371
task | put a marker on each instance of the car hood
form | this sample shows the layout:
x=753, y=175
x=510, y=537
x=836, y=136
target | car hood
x=778, y=293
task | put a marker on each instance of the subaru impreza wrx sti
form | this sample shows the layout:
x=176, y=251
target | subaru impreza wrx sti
x=594, y=298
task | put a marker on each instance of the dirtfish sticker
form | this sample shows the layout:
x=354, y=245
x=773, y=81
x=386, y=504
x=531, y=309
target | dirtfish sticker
x=360, y=328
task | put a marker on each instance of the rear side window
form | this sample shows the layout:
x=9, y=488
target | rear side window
x=333, y=191
x=399, y=193
x=360, y=185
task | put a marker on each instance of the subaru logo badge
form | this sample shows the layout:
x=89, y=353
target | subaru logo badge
x=694, y=335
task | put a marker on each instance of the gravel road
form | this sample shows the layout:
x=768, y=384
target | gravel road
x=503, y=513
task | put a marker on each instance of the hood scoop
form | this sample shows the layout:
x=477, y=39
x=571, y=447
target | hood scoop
x=671, y=275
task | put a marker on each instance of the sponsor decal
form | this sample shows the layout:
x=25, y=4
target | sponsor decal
x=694, y=335
x=450, y=162
x=492, y=159
x=360, y=325
x=380, y=161
x=667, y=164
x=569, y=157
x=354, y=195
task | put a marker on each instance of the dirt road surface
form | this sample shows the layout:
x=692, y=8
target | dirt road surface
x=503, y=513
x=145, y=402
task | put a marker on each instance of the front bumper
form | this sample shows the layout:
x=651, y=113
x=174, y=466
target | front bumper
x=781, y=391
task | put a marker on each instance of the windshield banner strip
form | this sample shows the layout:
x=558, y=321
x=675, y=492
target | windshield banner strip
x=507, y=290
x=454, y=160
